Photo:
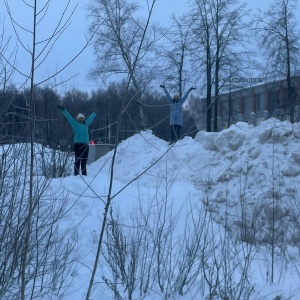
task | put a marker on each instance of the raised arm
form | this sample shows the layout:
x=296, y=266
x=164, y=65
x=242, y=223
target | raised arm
x=70, y=119
x=90, y=119
x=167, y=93
x=67, y=115
x=182, y=100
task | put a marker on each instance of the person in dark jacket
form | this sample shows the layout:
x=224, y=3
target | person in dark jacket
x=176, y=113
x=81, y=139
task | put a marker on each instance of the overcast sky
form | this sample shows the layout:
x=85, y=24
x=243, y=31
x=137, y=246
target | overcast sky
x=74, y=38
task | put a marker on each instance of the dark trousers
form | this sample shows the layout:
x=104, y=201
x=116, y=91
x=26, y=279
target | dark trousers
x=81, y=157
x=175, y=132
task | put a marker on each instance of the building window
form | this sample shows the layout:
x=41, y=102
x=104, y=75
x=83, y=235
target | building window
x=277, y=102
x=274, y=99
x=258, y=100
x=230, y=106
x=242, y=105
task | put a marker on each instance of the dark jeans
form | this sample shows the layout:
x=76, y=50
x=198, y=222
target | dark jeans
x=175, y=132
x=81, y=157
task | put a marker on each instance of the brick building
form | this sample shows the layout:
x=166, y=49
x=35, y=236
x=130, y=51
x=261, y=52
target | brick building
x=253, y=104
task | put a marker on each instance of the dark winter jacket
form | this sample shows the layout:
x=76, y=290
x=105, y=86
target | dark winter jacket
x=176, y=114
x=81, y=132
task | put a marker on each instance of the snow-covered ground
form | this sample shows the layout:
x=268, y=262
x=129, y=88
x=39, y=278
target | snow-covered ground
x=236, y=191
x=244, y=176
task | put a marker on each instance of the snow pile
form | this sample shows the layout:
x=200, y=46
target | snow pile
x=229, y=197
x=246, y=177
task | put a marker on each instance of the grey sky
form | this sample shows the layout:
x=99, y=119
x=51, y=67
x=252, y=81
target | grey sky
x=74, y=38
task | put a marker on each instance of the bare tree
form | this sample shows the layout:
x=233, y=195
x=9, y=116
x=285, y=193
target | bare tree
x=126, y=254
x=6, y=69
x=218, y=31
x=49, y=253
x=120, y=36
x=6, y=73
x=138, y=54
x=152, y=251
x=175, y=54
x=279, y=36
x=155, y=251
x=39, y=254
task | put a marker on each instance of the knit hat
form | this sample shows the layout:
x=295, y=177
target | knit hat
x=176, y=98
x=80, y=116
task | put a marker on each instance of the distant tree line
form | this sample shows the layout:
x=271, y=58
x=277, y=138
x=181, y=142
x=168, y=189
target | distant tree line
x=51, y=128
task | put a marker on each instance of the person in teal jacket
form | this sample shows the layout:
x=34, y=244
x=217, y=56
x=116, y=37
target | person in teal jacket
x=81, y=138
x=176, y=114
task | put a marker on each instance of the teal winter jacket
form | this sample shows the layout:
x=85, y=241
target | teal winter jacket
x=81, y=132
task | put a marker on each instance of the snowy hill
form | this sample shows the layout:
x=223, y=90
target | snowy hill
x=215, y=217
x=246, y=177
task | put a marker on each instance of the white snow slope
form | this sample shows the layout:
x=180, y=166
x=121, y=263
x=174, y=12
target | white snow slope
x=226, y=204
